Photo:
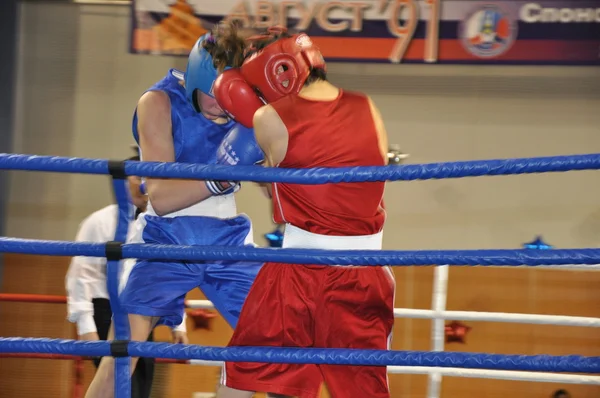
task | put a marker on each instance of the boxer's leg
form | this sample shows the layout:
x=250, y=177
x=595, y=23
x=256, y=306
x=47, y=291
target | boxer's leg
x=104, y=381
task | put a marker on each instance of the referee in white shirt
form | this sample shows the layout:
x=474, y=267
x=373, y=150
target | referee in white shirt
x=87, y=295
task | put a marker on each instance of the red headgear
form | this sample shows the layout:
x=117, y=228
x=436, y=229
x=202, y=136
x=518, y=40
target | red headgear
x=282, y=67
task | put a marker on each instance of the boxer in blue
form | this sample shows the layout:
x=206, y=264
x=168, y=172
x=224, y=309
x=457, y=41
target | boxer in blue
x=179, y=120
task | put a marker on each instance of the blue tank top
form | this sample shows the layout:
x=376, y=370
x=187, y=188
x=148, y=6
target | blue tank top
x=195, y=138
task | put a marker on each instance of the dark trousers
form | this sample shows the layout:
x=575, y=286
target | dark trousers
x=141, y=381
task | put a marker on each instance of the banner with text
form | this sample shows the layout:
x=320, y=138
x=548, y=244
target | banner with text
x=559, y=32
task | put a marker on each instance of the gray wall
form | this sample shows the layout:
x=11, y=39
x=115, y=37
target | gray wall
x=78, y=87
x=8, y=45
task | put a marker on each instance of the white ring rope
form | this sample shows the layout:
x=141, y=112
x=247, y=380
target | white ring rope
x=498, y=374
x=472, y=373
x=533, y=319
x=565, y=267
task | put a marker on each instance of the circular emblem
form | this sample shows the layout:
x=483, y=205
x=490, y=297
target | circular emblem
x=487, y=31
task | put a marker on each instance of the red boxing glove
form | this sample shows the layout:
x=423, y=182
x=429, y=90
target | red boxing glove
x=236, y=97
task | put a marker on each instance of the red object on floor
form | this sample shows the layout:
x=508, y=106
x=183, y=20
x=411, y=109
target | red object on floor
x=456, y=332
x=201, y=318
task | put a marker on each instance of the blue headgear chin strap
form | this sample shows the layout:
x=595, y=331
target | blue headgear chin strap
x=200, y=73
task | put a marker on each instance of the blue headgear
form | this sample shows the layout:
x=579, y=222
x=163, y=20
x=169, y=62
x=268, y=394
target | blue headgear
x=200, y=73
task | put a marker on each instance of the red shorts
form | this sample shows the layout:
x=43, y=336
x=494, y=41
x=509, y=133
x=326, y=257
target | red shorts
x=291, y=305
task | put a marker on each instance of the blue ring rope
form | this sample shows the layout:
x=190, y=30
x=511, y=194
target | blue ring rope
x=543, y=363
x=113, y=275
x=305, y=176
x=308, y=256
x=308, y=176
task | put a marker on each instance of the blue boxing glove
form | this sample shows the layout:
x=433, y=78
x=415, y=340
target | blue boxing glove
x=239, y=147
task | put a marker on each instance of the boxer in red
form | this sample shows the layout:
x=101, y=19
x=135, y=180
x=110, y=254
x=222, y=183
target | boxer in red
x=309, y=123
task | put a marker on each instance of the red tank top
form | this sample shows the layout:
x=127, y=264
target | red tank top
x=338, y=133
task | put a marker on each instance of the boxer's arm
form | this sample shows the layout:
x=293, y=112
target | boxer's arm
x=179, y=332
x=271, y=135
x=381, y=132
x=236, y=97
x=182, y=327
x=238, y=147
x=266, y=189
x=156, y=142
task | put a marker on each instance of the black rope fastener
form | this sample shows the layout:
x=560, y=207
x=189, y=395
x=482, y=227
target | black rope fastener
x=114, y=251
x=118, y=348
x=116, y=168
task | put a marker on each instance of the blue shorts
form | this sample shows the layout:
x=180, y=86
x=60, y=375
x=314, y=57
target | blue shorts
x=158, y=288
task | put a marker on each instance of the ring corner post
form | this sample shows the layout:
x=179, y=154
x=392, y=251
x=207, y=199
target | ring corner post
x=113, y=273
x=438, y=306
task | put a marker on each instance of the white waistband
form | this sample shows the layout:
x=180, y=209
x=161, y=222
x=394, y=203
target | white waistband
x=215, y=206
x=294, y=237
